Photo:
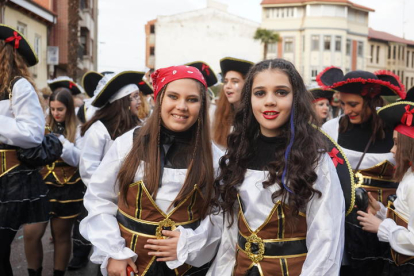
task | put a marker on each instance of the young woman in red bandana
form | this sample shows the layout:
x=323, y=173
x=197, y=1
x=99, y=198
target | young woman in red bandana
x=162, y=222
x=395, y=224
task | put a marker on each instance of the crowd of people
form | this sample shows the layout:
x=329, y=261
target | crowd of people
x=157, y=175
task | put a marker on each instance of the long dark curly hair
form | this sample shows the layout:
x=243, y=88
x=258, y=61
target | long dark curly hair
x=307, y=147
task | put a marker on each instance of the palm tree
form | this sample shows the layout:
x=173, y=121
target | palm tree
x=266, y=37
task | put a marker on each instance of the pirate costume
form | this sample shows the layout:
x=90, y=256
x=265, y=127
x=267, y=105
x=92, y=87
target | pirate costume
x=322, y=94
x=22, y=191
x=372, y=162
x=120, y=231
x=397, y=227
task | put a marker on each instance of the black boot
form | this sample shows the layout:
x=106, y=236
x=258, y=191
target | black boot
x=33, y=272
x=58, y=272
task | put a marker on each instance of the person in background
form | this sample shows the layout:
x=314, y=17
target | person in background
x=396, y=226
x=76, y=90
x=321, y=100
x=234, y=73
x=366, y=141
x=22, y=190
x=66, y=189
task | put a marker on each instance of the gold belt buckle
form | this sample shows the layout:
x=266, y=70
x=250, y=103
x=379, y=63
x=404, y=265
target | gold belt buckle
x=253, y=238
x=360, y=179
x=166, y=223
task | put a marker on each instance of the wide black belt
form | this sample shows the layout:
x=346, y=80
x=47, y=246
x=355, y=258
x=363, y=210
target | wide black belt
x=152, y=228
x=257, y=248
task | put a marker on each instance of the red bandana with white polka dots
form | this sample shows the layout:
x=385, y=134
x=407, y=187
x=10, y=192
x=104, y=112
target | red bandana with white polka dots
x=163, y=76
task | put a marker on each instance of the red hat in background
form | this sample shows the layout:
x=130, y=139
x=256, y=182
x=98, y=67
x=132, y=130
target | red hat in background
x=163, y=76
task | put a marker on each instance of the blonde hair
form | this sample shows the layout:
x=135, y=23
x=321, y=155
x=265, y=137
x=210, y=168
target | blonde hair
x=144, y=108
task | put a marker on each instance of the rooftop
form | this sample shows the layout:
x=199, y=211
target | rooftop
x=373, y=34
x=302, y=2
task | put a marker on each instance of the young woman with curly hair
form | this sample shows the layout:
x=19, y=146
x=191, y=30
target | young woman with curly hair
x=22, y=191
x=281, y=194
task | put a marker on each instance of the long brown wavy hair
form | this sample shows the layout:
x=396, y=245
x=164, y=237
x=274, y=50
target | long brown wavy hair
x=116, y=117
x=146, y=147
x=12, y=65
x=369, y=112
x=404, y=156
x=64, y=96
x=306, y=150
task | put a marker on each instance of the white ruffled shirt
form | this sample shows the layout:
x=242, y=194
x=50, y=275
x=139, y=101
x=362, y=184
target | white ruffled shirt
x=331, y=127
x=21, y=118
x=96, y=143
x=195, y=247
x=325, y=218
x=401, y=239
x=71, y=151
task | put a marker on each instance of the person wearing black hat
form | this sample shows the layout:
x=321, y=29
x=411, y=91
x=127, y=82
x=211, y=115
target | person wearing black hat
x=234, y=73
x=395, y=224
x=366, y=142
x=283, y=204
x=321, y=100
x=22, y=191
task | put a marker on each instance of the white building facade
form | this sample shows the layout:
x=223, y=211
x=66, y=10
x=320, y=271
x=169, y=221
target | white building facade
x=207, y=34
x=317, y=34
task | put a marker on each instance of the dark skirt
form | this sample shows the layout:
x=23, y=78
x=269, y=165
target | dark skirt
x=161, y=269
x=391, y=269
x=23, y=198
x=66, y=200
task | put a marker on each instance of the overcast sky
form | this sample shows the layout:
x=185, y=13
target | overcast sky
x=121, y=30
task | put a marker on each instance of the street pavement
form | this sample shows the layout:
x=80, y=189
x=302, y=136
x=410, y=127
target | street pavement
x=18, y=259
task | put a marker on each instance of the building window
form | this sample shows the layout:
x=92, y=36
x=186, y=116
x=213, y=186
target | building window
x=288, y=41
x=338, y=43
x=314, y=73
x=327, y=42
x=37, y=45
x=152, y=29
x=378, y=52
x=394, y=54
x=372, y=53
x=412, y=59
x=408, y=59
x=412, y=81
x=407, y=79
x=84, y=37
x=315, y=43
x=271, y=48
x=402, y=52
x=21, y=27
x=348, y=47
x=152, y=51
x=360, y=48
x=347, y=70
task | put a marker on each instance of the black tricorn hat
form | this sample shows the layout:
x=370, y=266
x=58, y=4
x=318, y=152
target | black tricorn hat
x=145, y=88
x=410, y=95
x=206, y=70
x=89, y=82
x=19, y=42
x=113, y=84
x=234, y=64
x=398, y=113
x=360, y=82
x=319, y=93
x=65, y=82
x=344, y=171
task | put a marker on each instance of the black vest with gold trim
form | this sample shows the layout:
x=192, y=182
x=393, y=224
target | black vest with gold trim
x=276, y=248
x=142, y=219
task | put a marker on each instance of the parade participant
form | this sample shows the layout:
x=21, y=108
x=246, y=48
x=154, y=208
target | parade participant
x=169, y=161
x=117, y=103
x=22, y=191
x=321, y=100
x=234, y=73
x=366, y=142
x=66, y=189
x=336, y=109
x=89, y=82
x=278, y=217
x=398, y=228
x=144, y=109
x=66, y=82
